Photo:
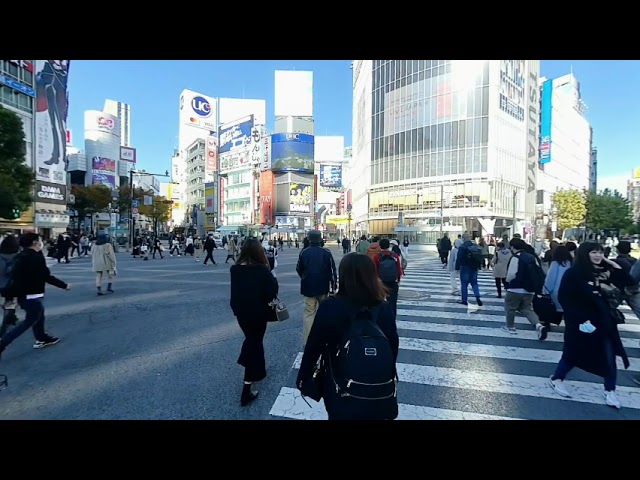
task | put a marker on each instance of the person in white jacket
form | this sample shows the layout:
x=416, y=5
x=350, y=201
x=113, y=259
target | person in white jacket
x=455, y=275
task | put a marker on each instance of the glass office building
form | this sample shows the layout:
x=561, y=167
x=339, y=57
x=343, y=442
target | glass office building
x=446, y=142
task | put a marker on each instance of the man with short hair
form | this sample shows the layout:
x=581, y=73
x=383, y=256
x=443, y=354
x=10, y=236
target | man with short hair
x=468, y=269
x=390, y=273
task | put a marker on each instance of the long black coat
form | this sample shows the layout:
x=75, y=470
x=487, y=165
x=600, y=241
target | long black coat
x=581, y=301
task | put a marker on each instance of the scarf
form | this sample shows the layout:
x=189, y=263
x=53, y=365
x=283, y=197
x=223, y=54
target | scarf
x=608, y=291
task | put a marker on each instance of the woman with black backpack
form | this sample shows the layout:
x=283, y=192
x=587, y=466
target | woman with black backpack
x=350, y=356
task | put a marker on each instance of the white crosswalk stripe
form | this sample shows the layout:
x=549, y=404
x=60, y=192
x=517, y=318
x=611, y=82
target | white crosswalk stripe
x=455, y=363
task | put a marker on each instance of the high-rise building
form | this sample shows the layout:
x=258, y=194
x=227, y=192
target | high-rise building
x=329, y=155
x=123, y=112
x=37, y=91
x=566, y=138
x=444, y=146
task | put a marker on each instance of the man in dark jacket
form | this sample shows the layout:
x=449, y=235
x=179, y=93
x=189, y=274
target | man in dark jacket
x=28, y=279
x=468, y=270
x=317, y=270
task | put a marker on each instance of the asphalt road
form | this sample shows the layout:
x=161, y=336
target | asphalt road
x=164, y=346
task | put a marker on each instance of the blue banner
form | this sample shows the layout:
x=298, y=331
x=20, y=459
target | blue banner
x=235, y=135
x=21, y=87
x=546, y=121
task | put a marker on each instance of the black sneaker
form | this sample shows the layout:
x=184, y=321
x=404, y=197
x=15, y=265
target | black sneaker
x=49, y=341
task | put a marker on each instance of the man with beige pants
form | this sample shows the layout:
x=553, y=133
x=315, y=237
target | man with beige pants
x=317, y=271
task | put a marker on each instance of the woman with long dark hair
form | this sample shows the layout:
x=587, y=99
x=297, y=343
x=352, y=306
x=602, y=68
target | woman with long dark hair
x=253, y=288
x=359, y=308
x=590, y=293
x=9, y=249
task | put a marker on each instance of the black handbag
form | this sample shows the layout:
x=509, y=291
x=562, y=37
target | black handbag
x=617, y=316
x=544, y=307
x=312, y=387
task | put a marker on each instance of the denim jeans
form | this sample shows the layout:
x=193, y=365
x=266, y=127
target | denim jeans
x=469, y=275
x=564, y=367
x=393, y=296
x=34, y=319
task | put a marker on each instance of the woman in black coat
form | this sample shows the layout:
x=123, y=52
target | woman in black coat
x=590, y=293
x=360, y=293
x=252, y=289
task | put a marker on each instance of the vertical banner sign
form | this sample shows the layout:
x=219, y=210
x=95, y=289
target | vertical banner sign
x=546, y=121
x=51, y=120
x=211, y=157
x=266, y=153
x=256, y=146
x=266, y=197
x=533, y=136
x=223, y=183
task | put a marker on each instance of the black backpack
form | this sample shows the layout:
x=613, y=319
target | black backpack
x=387, y=268
x=362, y=371
x=534, y=276
x=475, y=257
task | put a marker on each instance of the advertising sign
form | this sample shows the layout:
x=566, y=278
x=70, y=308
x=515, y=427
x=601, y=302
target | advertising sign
x=266, y=153
x=51, y=120
x=257, y=146
x=545, y=121
x=103, y=172
x=69, y=138
x=236, y=160
x=223, y=183
x=266, y=197
x=292, y=152
x=236, y=135
x=211, y=157
x=20, y=87
x=512, y=95
x=51, y=193
x=209, y=197
x=198, y=110
x=294, y=93
x=299, y=198
x=331, y=177
x=128, y=154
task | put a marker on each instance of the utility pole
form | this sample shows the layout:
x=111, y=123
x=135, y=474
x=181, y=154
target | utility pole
x=515, y=199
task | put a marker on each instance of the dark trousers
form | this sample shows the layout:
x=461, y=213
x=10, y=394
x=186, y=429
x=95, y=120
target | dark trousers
x=34, y=319
x=444, y=256
x=564, y=367
x=392, y=297
x=252, y=352
x=63, y=253
x=499, y=283
x=157, y=249
x=209, y=257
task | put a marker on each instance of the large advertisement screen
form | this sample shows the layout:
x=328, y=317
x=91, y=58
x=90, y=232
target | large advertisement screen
x=545, y=121
x=299, y=198
x=51, y=120
x=293, y=152
x=331, y=177
x=103, y=172
x=236, y=135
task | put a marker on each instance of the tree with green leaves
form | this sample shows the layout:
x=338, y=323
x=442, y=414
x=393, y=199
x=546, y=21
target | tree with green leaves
x=124, y=199
x=16, y=177
x=607, y=209
x=571, y=208
x=159, y=211
x=91, y=199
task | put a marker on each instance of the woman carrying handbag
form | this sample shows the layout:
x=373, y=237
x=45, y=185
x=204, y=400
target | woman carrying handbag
x=253, y=290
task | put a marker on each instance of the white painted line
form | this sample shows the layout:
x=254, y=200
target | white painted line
x=585, y=392
x=494, y=351
x=625, y=327
x=289, y=404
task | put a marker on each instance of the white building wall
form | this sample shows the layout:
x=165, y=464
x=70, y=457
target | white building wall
x=359, y=175
x=235, y=108
x=570, y=163
x=101, y=139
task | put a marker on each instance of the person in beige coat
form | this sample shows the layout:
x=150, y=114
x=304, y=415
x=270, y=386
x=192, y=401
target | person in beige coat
x=104, y=262
x=500, y=262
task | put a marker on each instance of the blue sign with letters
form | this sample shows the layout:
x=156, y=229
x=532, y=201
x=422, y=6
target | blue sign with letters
x=10, y=82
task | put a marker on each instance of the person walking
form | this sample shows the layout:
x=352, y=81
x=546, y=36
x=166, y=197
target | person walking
x=104, y=263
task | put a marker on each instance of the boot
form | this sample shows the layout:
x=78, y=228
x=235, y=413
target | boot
x=100, y=291
x=109, y=289
x=247, y=396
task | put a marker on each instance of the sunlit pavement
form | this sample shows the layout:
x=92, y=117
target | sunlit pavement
x=164, y=346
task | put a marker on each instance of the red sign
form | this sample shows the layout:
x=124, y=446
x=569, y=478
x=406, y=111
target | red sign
x=69, y=137
x=211, y=154
x=26, y=64
x=106, y=122
x=266, y=197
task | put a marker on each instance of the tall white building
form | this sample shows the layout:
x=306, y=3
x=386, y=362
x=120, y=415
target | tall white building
x=123, y=112
x=330, y=172
x=444, y=145
x=565, y=139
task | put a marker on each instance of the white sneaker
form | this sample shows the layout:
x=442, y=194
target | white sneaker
x=511, y=330
x=612, y=399
x=559, y=387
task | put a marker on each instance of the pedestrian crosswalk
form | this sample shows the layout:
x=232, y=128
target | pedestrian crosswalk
x=455, y=363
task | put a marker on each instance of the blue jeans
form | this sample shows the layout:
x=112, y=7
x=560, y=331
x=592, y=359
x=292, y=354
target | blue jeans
x=469, y=275
x=564, y=367
x=34, y=318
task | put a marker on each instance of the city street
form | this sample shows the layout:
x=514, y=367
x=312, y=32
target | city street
x=164, y=346
x=456, y=363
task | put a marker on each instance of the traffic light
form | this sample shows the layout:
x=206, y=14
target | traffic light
x=15, y=213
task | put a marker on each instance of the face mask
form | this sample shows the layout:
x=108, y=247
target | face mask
x=587, y=327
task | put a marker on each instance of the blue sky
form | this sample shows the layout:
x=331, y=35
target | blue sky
x=152, y=88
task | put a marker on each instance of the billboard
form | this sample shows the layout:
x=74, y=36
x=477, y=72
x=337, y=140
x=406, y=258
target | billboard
x=198, y=118
x=546, y=121
x=233, y=108
x=293, y=93
x=292, y=152
x=211, y=156
x=266, y=198
x=331, y=177
x=128, y=154
x=235, y=160
x=299, y=198
x=103, y=172
x=257, y=146
x=51, y=193
x=235, y=135
x=328, y=149
x=512, y=84
x=51, y=120
x=266, y=153
x=210, y=197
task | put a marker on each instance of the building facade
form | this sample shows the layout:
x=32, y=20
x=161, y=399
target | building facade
x=566, y=161
x=444, y=142
x=633, y=194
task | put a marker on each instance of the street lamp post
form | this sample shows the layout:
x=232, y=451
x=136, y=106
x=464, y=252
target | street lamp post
x=131, y=199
